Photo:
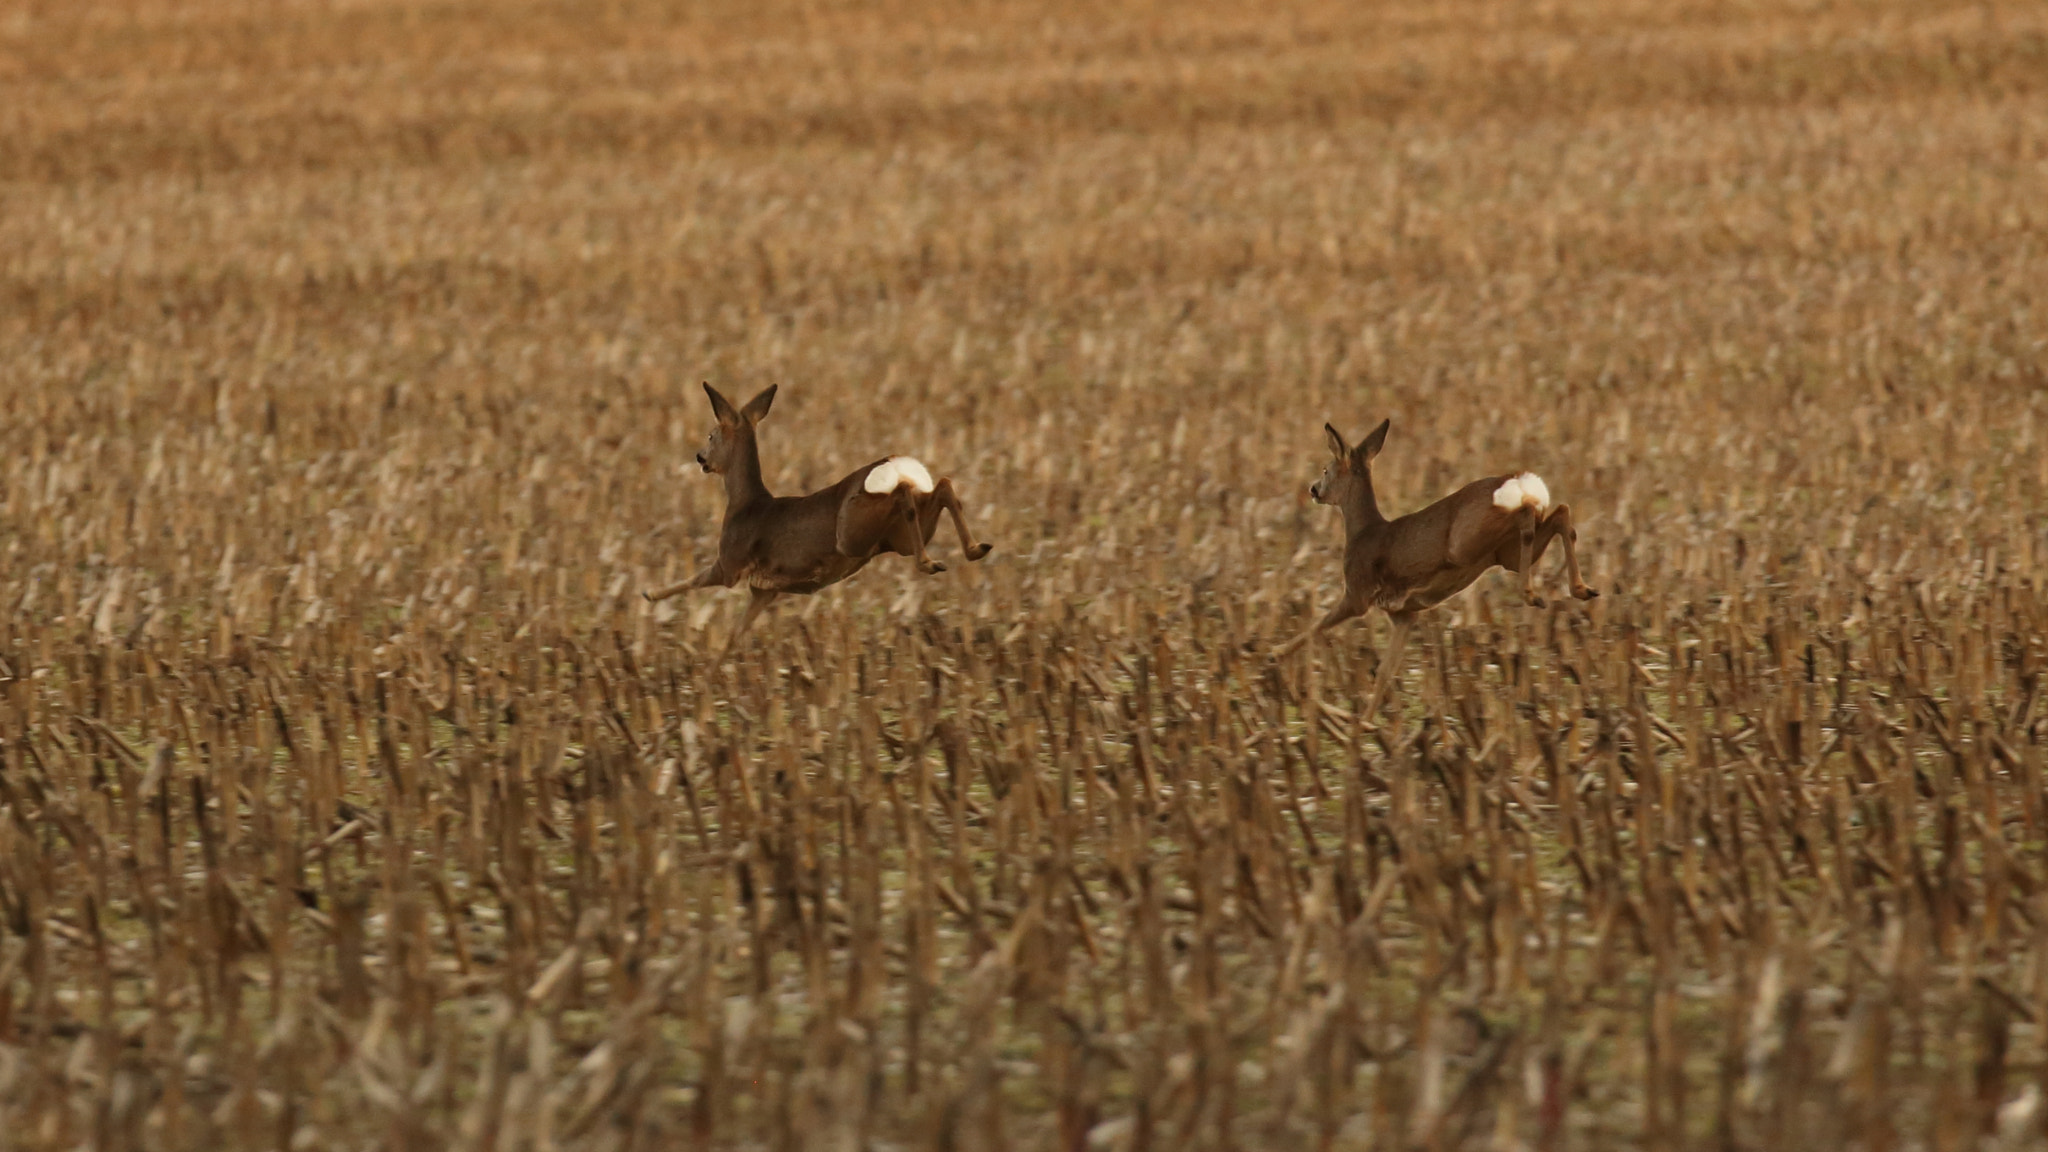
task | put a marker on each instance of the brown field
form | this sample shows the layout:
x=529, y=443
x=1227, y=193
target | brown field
x=351, y=798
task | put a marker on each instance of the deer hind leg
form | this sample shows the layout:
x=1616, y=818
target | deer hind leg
x=944, y=497
x=864, y=524
x=1558, y=525
x=908, y=530
x=1519, y=552
x=1525, y=531
x=763, y=597
x=871, y=522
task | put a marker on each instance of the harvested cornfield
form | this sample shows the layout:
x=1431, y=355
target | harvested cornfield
x=351, y=797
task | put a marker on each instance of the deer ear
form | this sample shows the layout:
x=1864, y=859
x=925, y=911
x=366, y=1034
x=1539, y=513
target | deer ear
x=758, y=406
x=1337, y=449
x=720, y=406
x=1374, y=442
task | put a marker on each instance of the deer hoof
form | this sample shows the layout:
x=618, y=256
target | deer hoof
x=980, y=550
x=1585, y=593
x=1536, y=601
x=932, y=567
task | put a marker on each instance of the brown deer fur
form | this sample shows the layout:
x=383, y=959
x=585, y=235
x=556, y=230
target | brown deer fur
x=1413, y=563
x=795, y=545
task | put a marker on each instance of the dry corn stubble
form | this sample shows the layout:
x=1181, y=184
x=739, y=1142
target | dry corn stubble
x=349, y=795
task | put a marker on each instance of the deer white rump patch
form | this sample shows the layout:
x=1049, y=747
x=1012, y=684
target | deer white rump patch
x=1524, y=490
x=897, y=471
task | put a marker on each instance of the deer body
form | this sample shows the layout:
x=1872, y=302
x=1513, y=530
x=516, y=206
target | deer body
x=1410, y=564
x=796, y=545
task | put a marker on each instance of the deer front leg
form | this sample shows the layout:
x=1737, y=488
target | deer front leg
x=763, y=597
x=1346, y=609
x=1390, y=663
x=943, y=496
x=709, y=578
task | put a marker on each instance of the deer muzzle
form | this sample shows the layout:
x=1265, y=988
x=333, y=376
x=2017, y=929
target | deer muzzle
x=703, y=463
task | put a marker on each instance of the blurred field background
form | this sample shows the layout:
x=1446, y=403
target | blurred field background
x=350, y=797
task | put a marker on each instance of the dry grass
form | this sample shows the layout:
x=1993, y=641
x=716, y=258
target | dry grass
x=349, y=796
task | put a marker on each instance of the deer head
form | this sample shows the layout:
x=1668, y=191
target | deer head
x=1347, y=478
x=732, y=439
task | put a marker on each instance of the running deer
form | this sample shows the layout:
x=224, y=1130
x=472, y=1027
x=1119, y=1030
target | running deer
x=1418, y=561
x=794, y=545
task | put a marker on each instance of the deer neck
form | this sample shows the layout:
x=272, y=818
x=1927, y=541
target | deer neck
x=1361, y=510
x=743, y=484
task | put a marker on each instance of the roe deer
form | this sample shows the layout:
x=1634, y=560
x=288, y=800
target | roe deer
x=1405, y=566
x=795, y=545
